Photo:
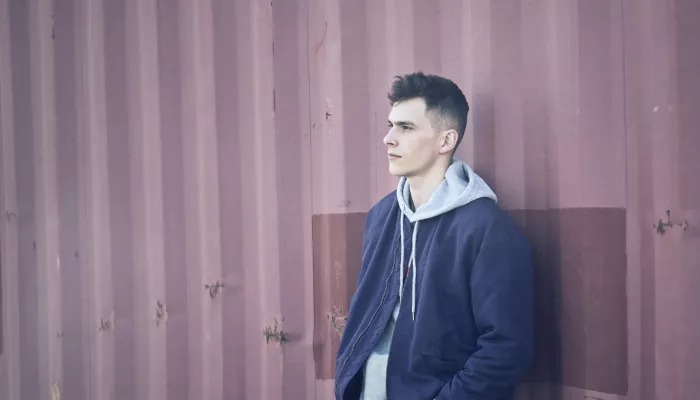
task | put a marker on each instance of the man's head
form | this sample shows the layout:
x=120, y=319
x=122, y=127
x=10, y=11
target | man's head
x=426, y=124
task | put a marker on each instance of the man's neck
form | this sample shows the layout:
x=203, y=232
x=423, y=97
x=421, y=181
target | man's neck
x=423, y=186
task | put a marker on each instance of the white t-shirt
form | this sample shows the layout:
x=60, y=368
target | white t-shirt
x=374, y=376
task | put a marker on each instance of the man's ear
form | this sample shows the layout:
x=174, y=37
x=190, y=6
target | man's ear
x=448, y=141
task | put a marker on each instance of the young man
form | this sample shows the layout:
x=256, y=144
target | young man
x=444, y=301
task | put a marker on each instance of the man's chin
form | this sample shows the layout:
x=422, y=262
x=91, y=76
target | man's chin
x=397, y=172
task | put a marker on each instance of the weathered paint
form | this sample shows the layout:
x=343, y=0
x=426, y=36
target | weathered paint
x=151, y=148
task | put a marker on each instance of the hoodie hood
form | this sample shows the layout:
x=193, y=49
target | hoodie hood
x=460, y=187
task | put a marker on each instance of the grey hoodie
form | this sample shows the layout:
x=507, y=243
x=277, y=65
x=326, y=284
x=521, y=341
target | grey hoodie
x=460, y=187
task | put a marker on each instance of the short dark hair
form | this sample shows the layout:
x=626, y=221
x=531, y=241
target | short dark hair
x=444, y=101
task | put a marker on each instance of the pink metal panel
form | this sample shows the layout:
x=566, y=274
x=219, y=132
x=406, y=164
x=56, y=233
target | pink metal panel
x=662, y=100
x=152, y=151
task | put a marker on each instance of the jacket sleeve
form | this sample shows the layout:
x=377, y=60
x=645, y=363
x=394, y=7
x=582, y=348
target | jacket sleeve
x=502, y=301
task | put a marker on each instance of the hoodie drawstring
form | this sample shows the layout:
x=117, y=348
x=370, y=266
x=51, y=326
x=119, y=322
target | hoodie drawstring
x=412, y=265
x=402, y=259
x=460, y=186
x=413, y=257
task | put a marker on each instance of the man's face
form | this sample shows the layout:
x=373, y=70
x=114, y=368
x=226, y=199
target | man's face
x=413, y=145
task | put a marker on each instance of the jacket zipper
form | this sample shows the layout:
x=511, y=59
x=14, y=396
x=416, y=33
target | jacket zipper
x=352, y=350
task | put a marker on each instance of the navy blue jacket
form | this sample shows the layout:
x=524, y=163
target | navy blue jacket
x=472, y=337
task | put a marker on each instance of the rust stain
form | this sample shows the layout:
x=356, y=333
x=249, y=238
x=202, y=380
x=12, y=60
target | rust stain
x=107, y=325
x=161, y=315
x=337, y=317
x=275, y=333
x=661, y=226
x=214, y=288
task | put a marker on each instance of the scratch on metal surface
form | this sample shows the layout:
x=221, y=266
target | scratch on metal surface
x=659, y=108
x=55, y=392
x=323, y=38
x=338, y=268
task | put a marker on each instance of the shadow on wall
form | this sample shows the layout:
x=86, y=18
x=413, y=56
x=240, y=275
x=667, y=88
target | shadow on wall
x=1, y=313
x=580, y=267
x=337, y=240
x=581, y=306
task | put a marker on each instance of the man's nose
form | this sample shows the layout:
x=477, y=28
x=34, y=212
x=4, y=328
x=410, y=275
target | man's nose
x=389, y=139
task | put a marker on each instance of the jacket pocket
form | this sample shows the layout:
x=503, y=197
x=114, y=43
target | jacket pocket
x=438, y=367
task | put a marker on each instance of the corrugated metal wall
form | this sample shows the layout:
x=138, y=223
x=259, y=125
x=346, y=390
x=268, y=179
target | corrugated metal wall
x=152, y=150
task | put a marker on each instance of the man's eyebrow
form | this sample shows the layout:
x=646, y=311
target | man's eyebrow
x=402, y=123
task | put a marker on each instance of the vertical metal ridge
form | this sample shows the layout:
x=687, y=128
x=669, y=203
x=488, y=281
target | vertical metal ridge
x=10, y=360
x=197, y=360
x=264, y=190
x=330, y=191
x=24, y=149
x=46, y=200
x=202, y=199
x=147, y=199
x=230, y=79
x=173, y=196
x=95, y=249
x=72, y=335
x=291, y=126
x=244, y=132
